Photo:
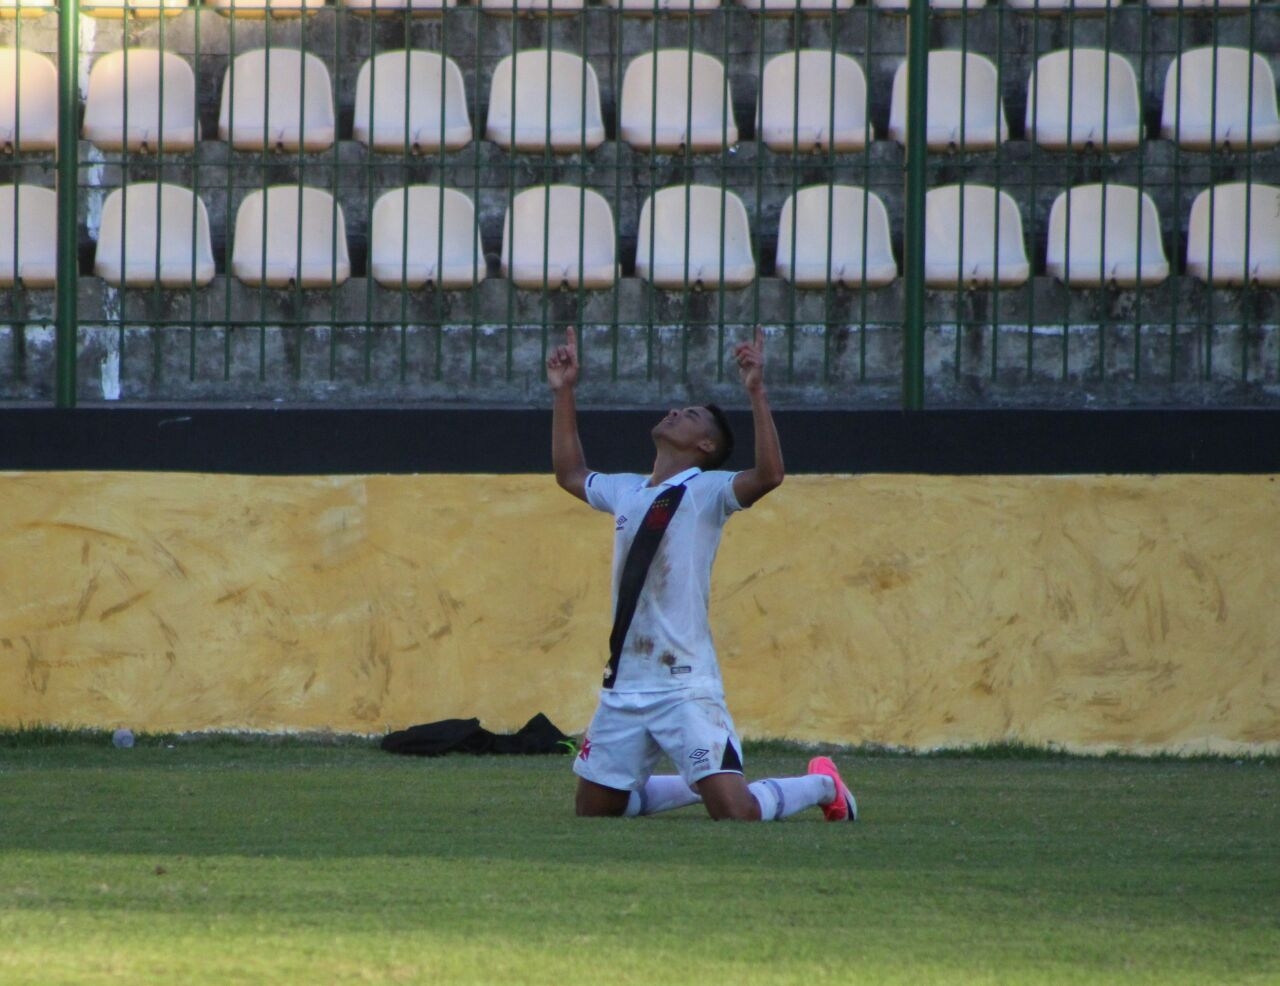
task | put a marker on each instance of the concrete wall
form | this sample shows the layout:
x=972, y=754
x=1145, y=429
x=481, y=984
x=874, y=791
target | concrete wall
x=1097, y=613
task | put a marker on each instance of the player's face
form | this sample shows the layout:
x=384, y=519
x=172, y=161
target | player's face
x=686, y=427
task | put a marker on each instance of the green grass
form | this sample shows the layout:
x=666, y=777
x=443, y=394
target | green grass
x=306, y=861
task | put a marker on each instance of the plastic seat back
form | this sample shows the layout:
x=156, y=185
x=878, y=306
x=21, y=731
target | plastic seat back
x=965, y=111
x=1084, y=96
x=1220, y=96
x=141, y=99
x=1233, y=236
x=425, y=234
x=411, y=98
x=694, y=236
x=973, y=238
x=28, y=101
x=812, y=100
x=1105, y=234
x=28, y=236
x=560, y=233
x=673, y=98
x=854, y=221
x=279, y=98
x=290, y=235
x=153, y=233
x=542, y=98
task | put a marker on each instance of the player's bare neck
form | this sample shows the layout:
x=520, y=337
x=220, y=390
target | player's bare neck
x=671, y=462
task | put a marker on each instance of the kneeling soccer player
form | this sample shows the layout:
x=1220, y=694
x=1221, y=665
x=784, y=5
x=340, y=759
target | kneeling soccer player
x=662, y=690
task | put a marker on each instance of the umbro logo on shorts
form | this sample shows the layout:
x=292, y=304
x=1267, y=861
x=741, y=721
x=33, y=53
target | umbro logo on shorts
x=620, y=522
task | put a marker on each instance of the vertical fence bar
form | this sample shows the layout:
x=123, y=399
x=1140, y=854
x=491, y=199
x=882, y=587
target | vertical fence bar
x=68, y=224
x=913, y=226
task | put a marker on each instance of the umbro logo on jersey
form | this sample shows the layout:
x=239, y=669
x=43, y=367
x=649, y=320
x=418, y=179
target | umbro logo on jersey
x=620, y=522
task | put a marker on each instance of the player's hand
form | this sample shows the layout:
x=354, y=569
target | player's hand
x=562, y=362
x=750, y=359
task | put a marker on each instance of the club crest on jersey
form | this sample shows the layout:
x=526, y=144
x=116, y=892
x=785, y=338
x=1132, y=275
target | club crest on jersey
x=659, y=516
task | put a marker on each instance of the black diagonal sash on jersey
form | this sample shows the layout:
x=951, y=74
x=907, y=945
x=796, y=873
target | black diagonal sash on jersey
x=636, y=568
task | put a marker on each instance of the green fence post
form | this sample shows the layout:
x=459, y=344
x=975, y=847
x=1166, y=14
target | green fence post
x=913, y=225
x=68, y=227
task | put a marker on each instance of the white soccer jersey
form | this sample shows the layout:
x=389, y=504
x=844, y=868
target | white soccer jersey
x=669, y=643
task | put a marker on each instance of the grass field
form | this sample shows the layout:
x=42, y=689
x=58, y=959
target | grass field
x=266, y=862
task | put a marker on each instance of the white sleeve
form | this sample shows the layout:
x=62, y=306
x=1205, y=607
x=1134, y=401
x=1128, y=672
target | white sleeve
x=602, y=489
x=725, y=501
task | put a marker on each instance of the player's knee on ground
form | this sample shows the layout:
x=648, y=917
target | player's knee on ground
x=596, y=801
x=727, y=798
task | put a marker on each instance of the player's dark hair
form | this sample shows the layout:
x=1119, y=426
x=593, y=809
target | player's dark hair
x=724, y=447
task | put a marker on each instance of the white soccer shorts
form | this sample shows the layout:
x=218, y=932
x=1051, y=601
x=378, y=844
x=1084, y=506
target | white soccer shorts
x=630, y=730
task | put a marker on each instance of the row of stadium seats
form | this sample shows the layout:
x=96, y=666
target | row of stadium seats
x=260, y=8
x=688, y=235
x=671, y=99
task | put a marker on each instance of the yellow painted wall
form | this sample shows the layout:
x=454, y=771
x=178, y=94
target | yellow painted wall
x=1091, y=612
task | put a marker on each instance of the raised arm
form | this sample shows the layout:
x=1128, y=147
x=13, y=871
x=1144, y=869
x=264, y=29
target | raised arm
x=567, y=460
x=768, y=472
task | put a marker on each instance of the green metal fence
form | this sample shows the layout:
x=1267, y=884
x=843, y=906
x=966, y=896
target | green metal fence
x=1008, y=297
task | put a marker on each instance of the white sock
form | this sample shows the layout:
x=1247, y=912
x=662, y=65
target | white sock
x=783, y=796
x=661, y=793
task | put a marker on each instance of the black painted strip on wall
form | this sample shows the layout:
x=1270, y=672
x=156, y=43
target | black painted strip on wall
x=325, y=441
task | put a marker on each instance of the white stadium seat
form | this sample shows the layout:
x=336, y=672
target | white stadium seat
x=141, y=99
x=418, y=8
x=1096, y=238
x=948, y=5
x=660, y=111
x=521, y=116
x=25, y=8
x=113, y=9
x=154, y=234
x=425, y=234
x=252, y=9
x=277, y=98
x=985, y=248
x=641, y=7
x=784, y=7
x=858, y=218
x=1195, y=119
x=436, y=115
x=828, y=112
x=718, y=239
x=541, y=236
x=965, y=111
x=1238, y=226
x=1173, y=6
x=514, y=8
x=305, y=239
x=1058, y=6
x=28, y=101
x=28, y=236
x=1079, y=97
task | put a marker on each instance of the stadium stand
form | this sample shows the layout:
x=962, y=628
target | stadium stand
x=382, y=8
x=141, y=99
x=153, y=233
x=559, y=236
x=540, y=98
x=658, y=7
x=514, y=8
x=411, y=99
x=782, y=8
x=852, y=221
x=425, y=235
x=1105, y=235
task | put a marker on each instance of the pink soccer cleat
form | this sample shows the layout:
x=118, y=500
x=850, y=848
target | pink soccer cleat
x=845, y=807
